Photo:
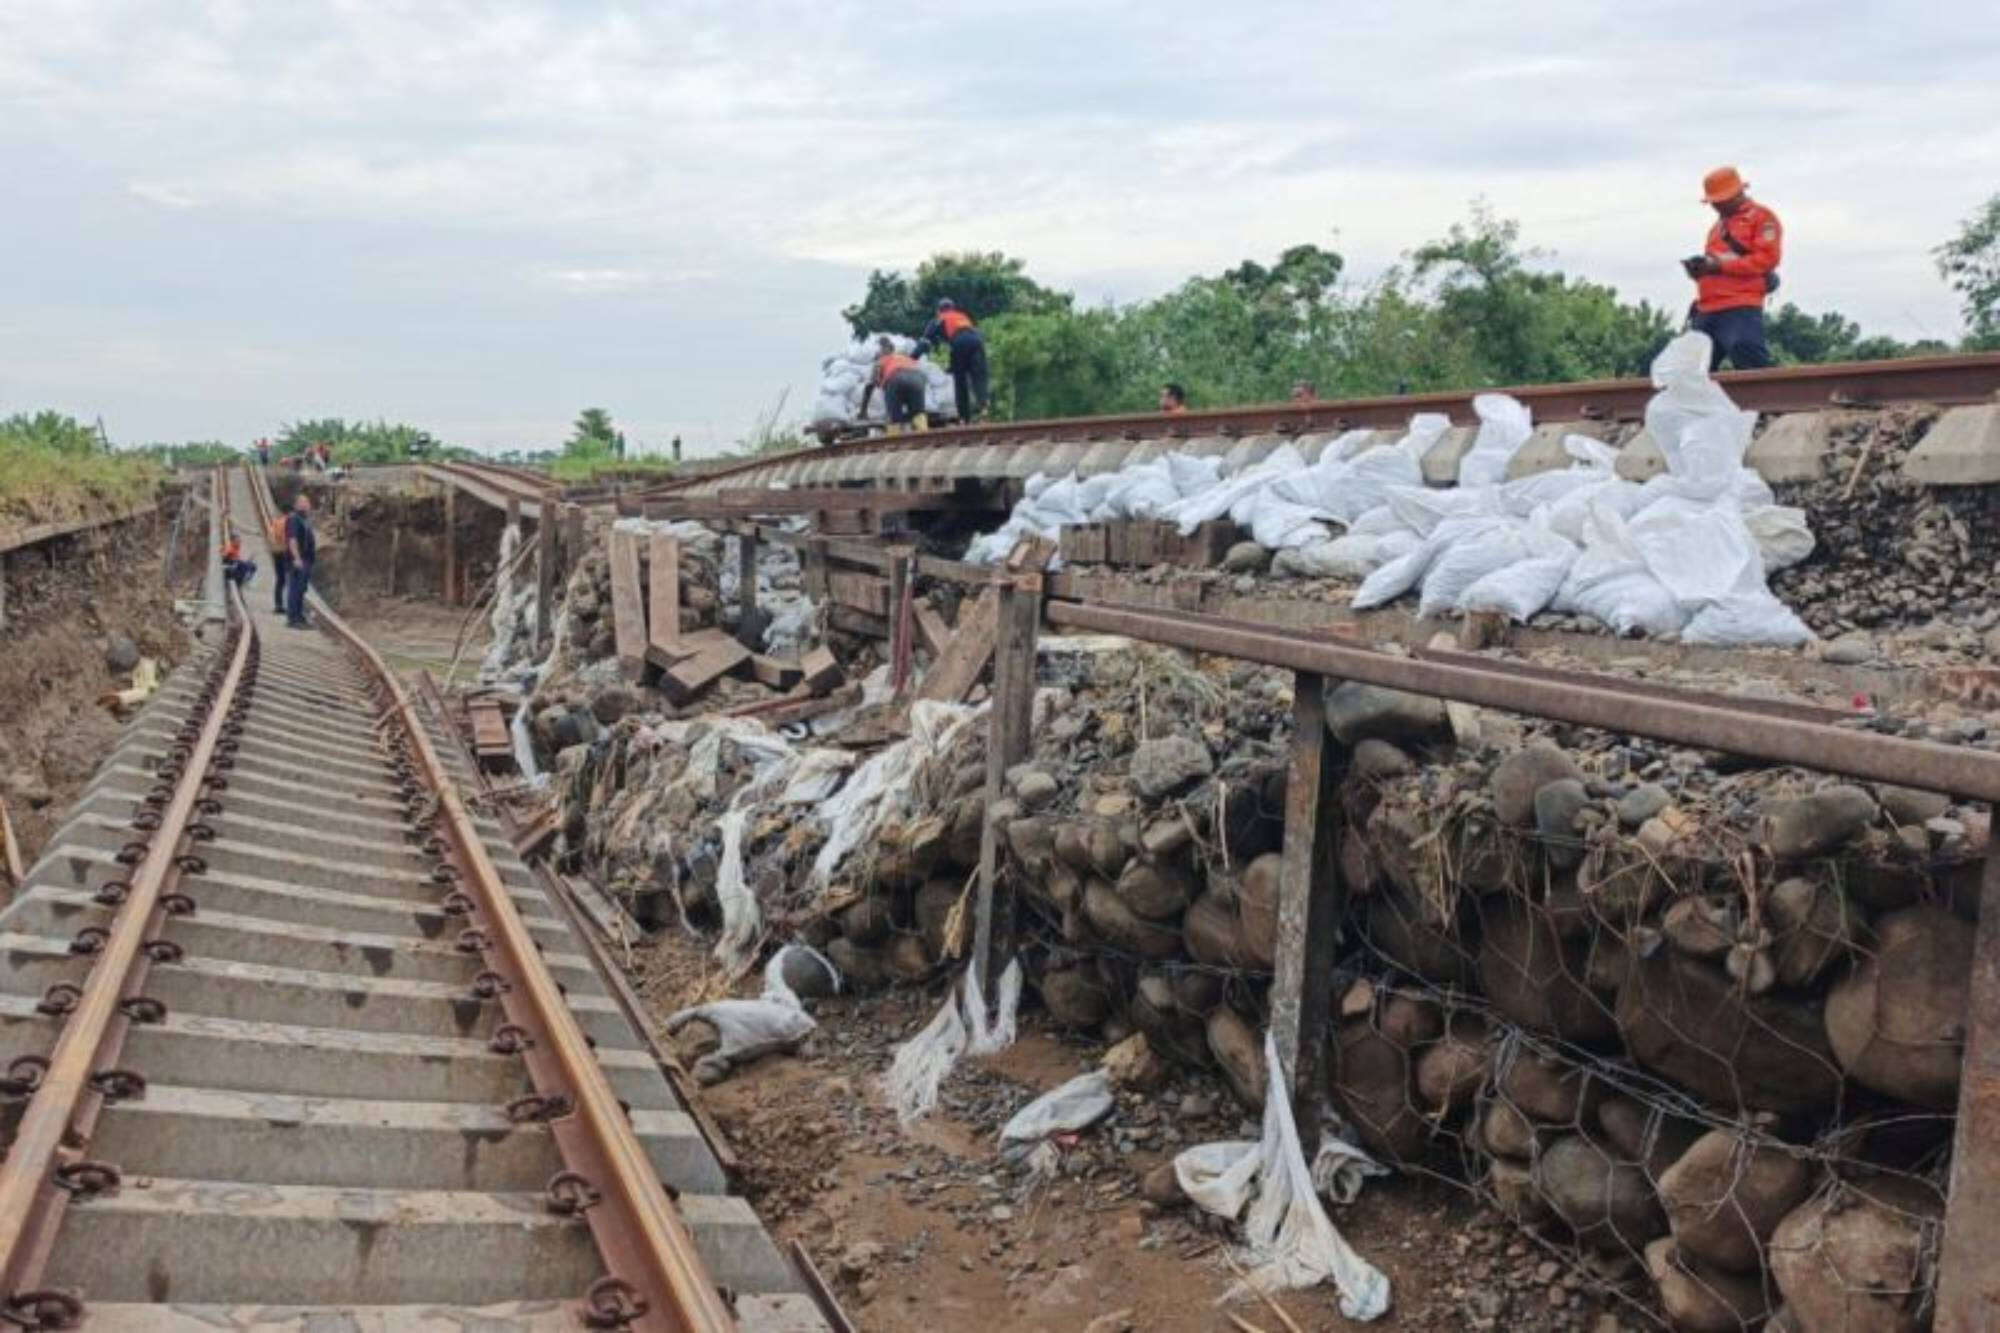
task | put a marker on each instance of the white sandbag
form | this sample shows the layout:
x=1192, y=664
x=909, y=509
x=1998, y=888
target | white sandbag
x=1524, y=496
x=1191, y=474
x=1609, y=582
x=1616, y=495
x=1591, y=453
x=1354, y=556
x=1425, y=430
x=1076, y=1105
x=747, y=1029
x=1749, y=617
x=1289, y=1239
x=1483, y=546
x=1276, y=524
x=1504, y=426
x=1781, y=533
x=1701, y=552
x=1349, y=444
x=1422, y=510
x=1524, y=587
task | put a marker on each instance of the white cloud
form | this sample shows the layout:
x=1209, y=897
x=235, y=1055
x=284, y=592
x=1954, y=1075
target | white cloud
x=407, y=202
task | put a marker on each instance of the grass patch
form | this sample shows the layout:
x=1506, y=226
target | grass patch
x=581, y=469
x=54, y=469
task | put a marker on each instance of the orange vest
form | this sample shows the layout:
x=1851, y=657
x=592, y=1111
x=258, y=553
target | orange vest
x=1760, y=242
x=891, y=365
x=955, y=322
x=276, y=532
x=232, y=549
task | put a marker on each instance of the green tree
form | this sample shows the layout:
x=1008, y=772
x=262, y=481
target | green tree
x=986, y=285
x=1970, y=262
x=356, y=441
x=1060, y=363
x=593, y=433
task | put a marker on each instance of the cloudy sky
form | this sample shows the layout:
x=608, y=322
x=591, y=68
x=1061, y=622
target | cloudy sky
x=481, y=217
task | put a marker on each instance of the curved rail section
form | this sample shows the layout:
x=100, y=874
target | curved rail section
x=293, y=1040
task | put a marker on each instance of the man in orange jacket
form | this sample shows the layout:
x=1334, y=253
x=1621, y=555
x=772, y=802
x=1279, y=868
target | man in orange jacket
x=954, y=330
x=1735, y=271
x=903, y=386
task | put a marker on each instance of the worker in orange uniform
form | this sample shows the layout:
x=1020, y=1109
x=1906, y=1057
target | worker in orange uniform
x=955, y=330
x=902, y=383
x=1735, y=271
x=234, y=567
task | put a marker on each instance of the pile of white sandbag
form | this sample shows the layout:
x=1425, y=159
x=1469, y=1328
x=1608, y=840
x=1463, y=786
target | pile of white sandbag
x=1685, y=554
x=844, y=375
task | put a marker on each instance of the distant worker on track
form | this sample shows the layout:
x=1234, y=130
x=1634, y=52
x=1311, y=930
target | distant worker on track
x=303, y=547
x=1736, y=270
x=902, y=383
x=1304, y=392
x=1173, y=398
x=954, y=329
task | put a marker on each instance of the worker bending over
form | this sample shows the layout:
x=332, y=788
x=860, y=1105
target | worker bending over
x=955, y=330
x=902, y=383
x=1735, y=271
x=234, y=567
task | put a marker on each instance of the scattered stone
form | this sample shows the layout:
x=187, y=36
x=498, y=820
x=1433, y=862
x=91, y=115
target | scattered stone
x=609, y=705
x=1698, y=1298
x=1642, y=803
x=1379, y=761
x=1557, y=806
x=1608, y=1202
x=1897, y=1021
x=1858, y=1257
x=1356, y=712
x=1120, y=1321
x=120, y=653
x=1245, y=558
x=1909, y=805
x=1236, y=1049
x=1805, y=826
x=1850, y=650
x=859, y=1259
x=1032, y=787
x=1521, y=774
x=1162, y=767
x=1162, y=1186
x=808, y=977
x=1132, y=1064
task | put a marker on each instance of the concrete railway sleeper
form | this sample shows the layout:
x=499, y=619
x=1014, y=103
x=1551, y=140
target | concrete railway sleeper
x=290, y=1039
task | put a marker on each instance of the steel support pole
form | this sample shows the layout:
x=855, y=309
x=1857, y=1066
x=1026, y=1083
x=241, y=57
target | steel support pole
x=1008, y=725
x=1310, y=905
x=1968, y=1278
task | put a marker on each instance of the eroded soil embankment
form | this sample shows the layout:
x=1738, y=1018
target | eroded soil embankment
x=80, y=611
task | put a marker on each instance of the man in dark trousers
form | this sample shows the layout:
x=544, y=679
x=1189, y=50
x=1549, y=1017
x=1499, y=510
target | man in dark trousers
x=1735, y=271
x=303, y=547
x=281, y=561
x=902, y=383
x=954, y=329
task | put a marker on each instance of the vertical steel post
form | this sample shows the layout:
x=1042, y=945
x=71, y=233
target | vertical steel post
x=1968, y=1277
x=1008, y=725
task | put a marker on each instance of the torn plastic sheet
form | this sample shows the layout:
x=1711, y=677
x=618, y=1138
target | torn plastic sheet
x=961, y=1024
x=883, y=786
x=1289, y=1240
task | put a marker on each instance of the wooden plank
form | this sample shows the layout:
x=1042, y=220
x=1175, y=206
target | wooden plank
x=489, y=728
x=42, y=532
x=663, y=621
x=963, y=661
x=628, y=613
x=795, y=707
x=775, y=672
x=1310, y=903
x=1968, y=1279
x=12, y=847
x=746, y=574
x=932, y=633
x=863, y=592
x=1008, y=741
x=851, y=621
x=686, y=681
x=546, y=559
x=572, y=536
x=815, y=569
x=820, y=672
x=450, y=544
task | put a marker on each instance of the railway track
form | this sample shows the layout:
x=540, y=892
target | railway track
x=295, y=1041
x=1015, y=450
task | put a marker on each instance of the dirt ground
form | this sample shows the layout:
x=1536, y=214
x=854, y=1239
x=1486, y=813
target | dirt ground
x=65, y=600
x=415, y=634
x=928, y=1228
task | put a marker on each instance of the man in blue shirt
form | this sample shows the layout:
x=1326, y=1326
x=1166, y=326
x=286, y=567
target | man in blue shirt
x=302, y=546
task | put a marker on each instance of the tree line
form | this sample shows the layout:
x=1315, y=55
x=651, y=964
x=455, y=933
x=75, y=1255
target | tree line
x=1474, y=307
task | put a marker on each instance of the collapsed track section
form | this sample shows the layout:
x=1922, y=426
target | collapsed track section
x=295, y=1040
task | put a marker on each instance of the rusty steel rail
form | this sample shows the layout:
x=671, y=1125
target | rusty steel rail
x=45, y=1164
x=497, y=486
x=1970, y=378
x=1662, y=714
x=657, y=1281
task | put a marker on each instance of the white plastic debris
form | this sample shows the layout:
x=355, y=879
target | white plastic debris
x=960, y=1025
x=748, y=1030
x=1289, y=1239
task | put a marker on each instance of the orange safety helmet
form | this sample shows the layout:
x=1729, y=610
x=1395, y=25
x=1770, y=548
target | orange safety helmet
x=1721, y=184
